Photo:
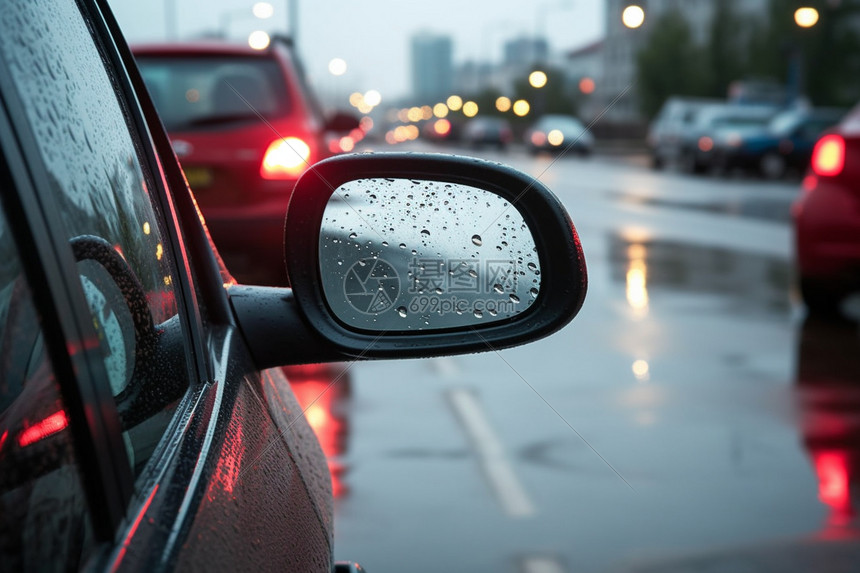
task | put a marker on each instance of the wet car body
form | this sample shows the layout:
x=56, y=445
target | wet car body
x=715, y=128
x=212, y=97
x=557, y=133
x=487, y=131
x=827, y=219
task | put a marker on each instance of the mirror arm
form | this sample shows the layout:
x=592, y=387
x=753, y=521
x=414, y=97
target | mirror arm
x=275, y=330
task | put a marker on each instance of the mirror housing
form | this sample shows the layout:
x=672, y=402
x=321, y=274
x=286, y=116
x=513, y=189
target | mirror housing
x=297, y=325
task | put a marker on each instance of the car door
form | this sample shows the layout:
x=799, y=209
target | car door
x=188, y=456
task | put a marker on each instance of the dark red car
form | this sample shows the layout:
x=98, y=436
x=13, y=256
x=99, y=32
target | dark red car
x=245, y=125
x=827, y=219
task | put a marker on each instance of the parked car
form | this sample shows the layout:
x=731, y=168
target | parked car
x=785, y=143
x=666, y=132
x=143, y=422
x=488, y=131
x=827, y=219
x=714, y=128
x=245, y=125
x=557, y=133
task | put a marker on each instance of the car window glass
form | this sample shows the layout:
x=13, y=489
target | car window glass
x=44, y=521
x=201, y=92
x=110, y=214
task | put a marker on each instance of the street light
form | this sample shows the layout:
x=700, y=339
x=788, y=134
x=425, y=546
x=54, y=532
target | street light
x=806, y=17
x=259, y=40
x=521, y=108
x=537, y=79
x=633, y=16
x=337, y=67
x=263, y=10
x=503, y=103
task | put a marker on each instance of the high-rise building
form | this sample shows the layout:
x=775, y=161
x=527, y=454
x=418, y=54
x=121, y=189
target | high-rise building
x=432, y=67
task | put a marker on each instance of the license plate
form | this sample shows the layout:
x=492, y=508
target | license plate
x=198, y=177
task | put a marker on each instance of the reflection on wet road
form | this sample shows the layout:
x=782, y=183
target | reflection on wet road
x=690, y=370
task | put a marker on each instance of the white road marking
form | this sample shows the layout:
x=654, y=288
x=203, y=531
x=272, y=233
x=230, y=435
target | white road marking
x=494, y=462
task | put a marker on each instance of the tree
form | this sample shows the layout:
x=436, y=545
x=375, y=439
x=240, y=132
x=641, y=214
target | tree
x=670, y=63
x=725, y=55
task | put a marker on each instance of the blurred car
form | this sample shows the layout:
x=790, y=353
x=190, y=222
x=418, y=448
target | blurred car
x=712, y=129
x=666, y=132
x=245, y=125
x=488, y=131
x=559, y=133
x=773, y=149
x=827, y=219
x=145, y=422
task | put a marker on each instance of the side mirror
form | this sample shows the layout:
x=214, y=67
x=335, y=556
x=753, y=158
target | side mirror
x=341, y=122
x=397, y=255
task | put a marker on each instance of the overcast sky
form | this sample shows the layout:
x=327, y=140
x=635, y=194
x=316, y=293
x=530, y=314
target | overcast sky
x=373, y=35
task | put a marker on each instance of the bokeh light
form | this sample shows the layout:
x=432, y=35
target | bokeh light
x=633, y=16
x=503, y=104
x=455, y=102
x=806, y=17
x=537, y=79
x=263, y=10
x=521, y=107
x=259, y=40
x=586, y=85
x=337, y=67
x=440, y=110
x=470, y=109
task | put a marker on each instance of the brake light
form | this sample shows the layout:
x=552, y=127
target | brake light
x=706, y=143
x=285, y=159
x=828, y=157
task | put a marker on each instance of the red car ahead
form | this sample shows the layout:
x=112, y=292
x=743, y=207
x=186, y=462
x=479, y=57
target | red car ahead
x=244, y=125
x=827, y=219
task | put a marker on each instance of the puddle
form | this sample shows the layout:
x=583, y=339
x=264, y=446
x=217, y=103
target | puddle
x=749, y=280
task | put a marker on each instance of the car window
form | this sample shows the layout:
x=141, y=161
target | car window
x=111, y=217
x=199, y=92
x=44, y=521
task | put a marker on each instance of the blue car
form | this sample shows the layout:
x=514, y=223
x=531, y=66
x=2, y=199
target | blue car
x=784, y=144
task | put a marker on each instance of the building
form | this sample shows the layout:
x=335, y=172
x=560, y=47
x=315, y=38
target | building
x=525, y=51
x=432, y=67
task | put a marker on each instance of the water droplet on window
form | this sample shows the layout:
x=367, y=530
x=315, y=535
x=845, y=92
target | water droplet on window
x=478, y=314
x=533, y=292
x=353, y=235
x=402, y=245
x=476, y=240
x=425, y=232
x=532, y=267
x=515, y=299
x=473, y=273
x=498, y=288
x=401, y=310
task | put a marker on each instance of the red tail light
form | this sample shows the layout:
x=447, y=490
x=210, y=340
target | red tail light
x=285, y=159
x=828, y=157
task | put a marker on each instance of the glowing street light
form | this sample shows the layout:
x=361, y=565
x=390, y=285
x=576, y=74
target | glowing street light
x=454, y=102
x=521, y=107
x=372, y=98
x=470, y=109
x=806, y=17
x=337, y=67
x=259, y=40
x=537, y=79
x=633, y=16
x=503, y=104
x=263, y=10
x=440, y=110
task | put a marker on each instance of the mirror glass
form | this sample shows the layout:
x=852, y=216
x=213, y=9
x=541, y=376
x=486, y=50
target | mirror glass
x=402, y=254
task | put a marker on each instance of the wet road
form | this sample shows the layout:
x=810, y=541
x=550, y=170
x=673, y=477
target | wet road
x=689, y=419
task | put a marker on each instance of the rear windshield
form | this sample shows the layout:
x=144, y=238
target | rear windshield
x=193, y=93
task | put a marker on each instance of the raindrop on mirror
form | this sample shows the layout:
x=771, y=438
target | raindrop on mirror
x=447, y=279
